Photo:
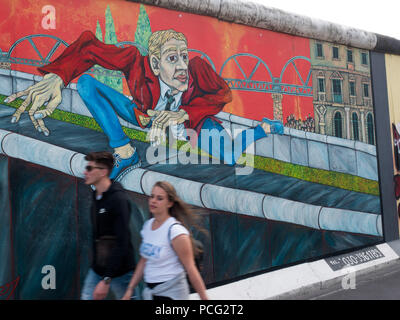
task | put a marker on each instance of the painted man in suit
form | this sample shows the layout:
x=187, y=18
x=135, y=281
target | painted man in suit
x=168, y=90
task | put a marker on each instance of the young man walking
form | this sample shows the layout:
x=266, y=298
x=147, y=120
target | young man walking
x=113, y=259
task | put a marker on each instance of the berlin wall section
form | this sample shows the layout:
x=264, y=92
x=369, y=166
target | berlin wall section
x=320, y=188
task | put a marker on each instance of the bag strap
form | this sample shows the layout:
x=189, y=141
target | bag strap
x=169, y=233
x=195, y=242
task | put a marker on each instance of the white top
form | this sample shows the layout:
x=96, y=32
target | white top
x=178, y=130
x=162, y=262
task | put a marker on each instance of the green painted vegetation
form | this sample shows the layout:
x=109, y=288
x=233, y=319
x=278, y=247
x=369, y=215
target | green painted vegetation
x=330, y=178
x=110, y=37
x=143, y=30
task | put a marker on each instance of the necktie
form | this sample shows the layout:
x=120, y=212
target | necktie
x=169, y=101
x=168, y=107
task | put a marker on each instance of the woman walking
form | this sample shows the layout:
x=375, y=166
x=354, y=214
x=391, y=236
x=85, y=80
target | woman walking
x=167, y=250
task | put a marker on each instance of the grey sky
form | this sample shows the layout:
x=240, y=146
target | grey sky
x=376, y=16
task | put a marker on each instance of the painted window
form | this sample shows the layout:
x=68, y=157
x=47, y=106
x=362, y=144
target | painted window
x=319, y=50
x=370, y=129
x=337, y=90
x=366, y=90
x=349, y=55
x=321, y=85
x=354, y=120
x=335, y=52
x=364, y=58
x=352, y=88
x=338, y=125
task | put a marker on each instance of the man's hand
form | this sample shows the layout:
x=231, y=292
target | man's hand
x=101, y=290
x=162, y=120
x=47, y=90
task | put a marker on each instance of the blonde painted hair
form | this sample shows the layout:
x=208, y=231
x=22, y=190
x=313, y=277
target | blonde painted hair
x=158, y=38
x=182, y=212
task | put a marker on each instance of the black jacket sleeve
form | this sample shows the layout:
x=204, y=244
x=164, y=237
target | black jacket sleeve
x=119, y=254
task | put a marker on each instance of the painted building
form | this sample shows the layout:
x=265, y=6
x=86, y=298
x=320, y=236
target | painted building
x=343, y=101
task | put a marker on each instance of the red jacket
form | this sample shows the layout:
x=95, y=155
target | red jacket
x=207, y=92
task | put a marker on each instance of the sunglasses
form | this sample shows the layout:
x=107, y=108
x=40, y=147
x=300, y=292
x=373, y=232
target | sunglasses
x=90, y=168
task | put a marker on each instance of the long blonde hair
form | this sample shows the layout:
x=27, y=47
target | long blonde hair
x=182, y=212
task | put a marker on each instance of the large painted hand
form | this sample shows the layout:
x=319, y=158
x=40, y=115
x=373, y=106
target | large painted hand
x=47, y=90
x=162, y=120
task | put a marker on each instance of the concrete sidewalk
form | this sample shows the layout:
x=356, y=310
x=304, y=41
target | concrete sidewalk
x=382, y=284
x=375, y=279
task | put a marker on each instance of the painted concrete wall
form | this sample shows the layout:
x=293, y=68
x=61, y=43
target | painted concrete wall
x=295, y=146
x=393, y=79
x=307, y=193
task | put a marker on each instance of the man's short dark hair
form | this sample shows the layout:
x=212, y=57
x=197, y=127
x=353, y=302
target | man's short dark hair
x=103, y=158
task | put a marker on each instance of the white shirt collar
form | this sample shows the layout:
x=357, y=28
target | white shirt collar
x=165, y=88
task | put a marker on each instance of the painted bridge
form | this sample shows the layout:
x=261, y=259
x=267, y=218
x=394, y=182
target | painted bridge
x=273, y=84
x=315, y=206
x=261, y=194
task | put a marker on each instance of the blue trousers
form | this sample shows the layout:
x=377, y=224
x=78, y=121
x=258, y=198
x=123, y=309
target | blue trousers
x=118, y=285
x=106, y=104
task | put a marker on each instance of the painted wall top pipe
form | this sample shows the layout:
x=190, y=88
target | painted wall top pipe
x=203, y=195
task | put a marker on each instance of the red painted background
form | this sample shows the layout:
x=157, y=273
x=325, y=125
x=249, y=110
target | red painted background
x=219, y=40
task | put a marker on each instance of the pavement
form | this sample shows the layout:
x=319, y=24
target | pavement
x=382, y=285
x=374, y=278
x=382, y=282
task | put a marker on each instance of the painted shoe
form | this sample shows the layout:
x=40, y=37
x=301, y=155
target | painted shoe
x=276, y=126
x=123, y=166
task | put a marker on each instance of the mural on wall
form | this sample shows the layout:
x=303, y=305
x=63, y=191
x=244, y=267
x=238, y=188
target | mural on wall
x=342, y=92
x=392, y=64
x=254, y=128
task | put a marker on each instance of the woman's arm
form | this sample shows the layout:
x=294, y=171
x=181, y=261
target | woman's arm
x=183, y=248
x=136, y=277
